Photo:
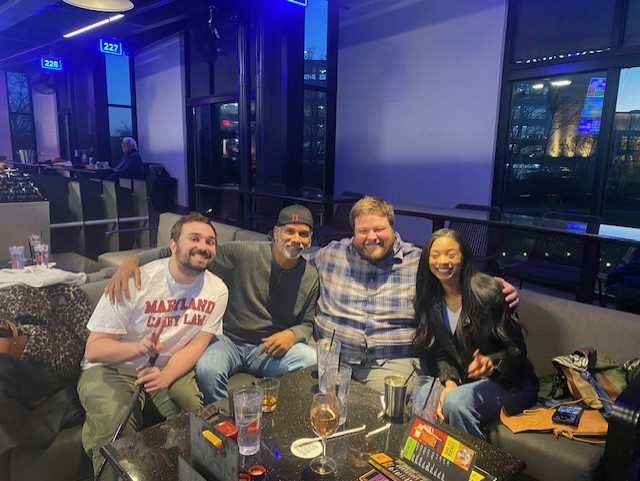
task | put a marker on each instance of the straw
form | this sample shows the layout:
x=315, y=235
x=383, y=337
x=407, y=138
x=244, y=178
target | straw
x=409, y=376
x=332, y=336
x=426, y=401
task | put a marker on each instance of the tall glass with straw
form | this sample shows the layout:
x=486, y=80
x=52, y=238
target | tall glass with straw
x=328, y=354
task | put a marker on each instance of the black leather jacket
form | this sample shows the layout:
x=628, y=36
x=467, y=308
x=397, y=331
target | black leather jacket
x=454, y=353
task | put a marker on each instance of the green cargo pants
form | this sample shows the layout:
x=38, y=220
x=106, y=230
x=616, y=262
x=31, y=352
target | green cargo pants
x=105, y=393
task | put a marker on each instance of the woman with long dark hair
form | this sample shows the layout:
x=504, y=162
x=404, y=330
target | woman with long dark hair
x=476, y=339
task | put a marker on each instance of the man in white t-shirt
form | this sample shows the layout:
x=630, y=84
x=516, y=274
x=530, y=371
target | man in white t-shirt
x=175, y=315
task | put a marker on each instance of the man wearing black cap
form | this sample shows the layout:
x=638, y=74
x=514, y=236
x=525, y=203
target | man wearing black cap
x=272, y=299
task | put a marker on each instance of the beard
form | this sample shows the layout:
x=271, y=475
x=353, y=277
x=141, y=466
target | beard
x=188, y=263
x=290, y=250
x=381, y=251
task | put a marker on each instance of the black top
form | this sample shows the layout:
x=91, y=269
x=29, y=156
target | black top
x=454, y=352
x=130, y=167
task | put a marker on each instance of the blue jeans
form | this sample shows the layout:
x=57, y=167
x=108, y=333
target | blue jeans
x=225, y=357
x=471, y=405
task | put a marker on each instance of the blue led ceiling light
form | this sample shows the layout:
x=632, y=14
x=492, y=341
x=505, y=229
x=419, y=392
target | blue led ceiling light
x=50, y=63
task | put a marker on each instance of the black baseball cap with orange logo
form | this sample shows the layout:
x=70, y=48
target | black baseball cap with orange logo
x=295, y=214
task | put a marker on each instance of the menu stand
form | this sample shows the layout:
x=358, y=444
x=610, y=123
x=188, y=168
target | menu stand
x=208, y=462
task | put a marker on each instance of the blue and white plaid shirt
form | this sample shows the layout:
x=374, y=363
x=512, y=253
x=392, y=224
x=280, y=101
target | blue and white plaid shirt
x=369, y=305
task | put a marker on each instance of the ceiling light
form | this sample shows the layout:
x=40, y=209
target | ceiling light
x=93, y=25
x=102, y=5
x=537, y=86
x=560, y=83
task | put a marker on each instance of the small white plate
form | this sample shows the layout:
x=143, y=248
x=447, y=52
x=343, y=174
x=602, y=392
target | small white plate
x=305, y=448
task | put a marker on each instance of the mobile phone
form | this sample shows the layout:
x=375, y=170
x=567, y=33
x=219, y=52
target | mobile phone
x=567, y=414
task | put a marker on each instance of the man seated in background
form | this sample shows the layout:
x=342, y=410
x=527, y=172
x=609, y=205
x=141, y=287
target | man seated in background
x=367, y=288
x=273, y=293
x=174, y=312
x=131, y=165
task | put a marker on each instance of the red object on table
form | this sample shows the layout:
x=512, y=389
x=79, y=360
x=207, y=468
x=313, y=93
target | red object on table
x=227, y=428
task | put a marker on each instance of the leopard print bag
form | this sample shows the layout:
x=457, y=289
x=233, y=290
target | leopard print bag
x=54, y=318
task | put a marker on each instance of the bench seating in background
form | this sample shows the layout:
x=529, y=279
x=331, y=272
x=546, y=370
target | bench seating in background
x=226, y=233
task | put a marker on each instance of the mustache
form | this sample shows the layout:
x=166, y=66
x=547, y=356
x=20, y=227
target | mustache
x=203, y=253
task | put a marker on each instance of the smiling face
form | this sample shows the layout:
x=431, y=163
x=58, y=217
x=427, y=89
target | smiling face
x=445, y=259
x=195, y=249
x=291, y=240
x=373, y=236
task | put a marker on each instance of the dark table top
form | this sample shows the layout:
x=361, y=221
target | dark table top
x=83, y=171
x=152, y=454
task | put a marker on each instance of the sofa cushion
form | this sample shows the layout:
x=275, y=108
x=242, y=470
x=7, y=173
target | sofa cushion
x=114, y=259
x=250, y=235
x=64, y=459
x=225, y=232
x=559, y=326
x=548, y=457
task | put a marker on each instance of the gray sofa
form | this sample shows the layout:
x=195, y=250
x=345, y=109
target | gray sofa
x=557, y=326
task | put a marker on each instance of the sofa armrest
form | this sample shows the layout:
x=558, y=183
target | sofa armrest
x=622, y=452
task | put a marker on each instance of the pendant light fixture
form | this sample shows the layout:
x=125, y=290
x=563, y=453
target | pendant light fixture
x=102, y=5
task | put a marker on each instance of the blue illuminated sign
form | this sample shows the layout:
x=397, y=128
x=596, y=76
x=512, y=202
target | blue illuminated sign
x=51, y=63
x=299, y=2
x=111, y=46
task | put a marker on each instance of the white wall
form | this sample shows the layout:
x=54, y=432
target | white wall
x=160, y=99
x=417, y=102
x=45, y=115
x=5, y=131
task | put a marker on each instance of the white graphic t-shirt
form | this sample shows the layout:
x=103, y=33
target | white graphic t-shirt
x=183, y=309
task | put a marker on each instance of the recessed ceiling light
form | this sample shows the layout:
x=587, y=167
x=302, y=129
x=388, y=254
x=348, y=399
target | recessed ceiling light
x=102, y=5
x=537, y=86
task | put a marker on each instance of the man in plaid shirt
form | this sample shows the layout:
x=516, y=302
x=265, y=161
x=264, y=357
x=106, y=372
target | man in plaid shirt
x=367, y=287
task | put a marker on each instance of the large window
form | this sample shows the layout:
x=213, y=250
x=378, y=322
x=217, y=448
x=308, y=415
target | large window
x=21, y=123
x=119, y=102
x=622, y=194
x=569, y=129
x=553, y=138
x=315, y=94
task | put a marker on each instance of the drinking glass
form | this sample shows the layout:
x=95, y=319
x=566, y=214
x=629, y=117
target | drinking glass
x=340, y=379
x=247, y=403
x=328, y=354
x=325, y=414
x=425, y=396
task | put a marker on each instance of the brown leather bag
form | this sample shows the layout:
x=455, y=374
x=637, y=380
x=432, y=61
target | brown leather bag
x=592, y=424
x=11, y=342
